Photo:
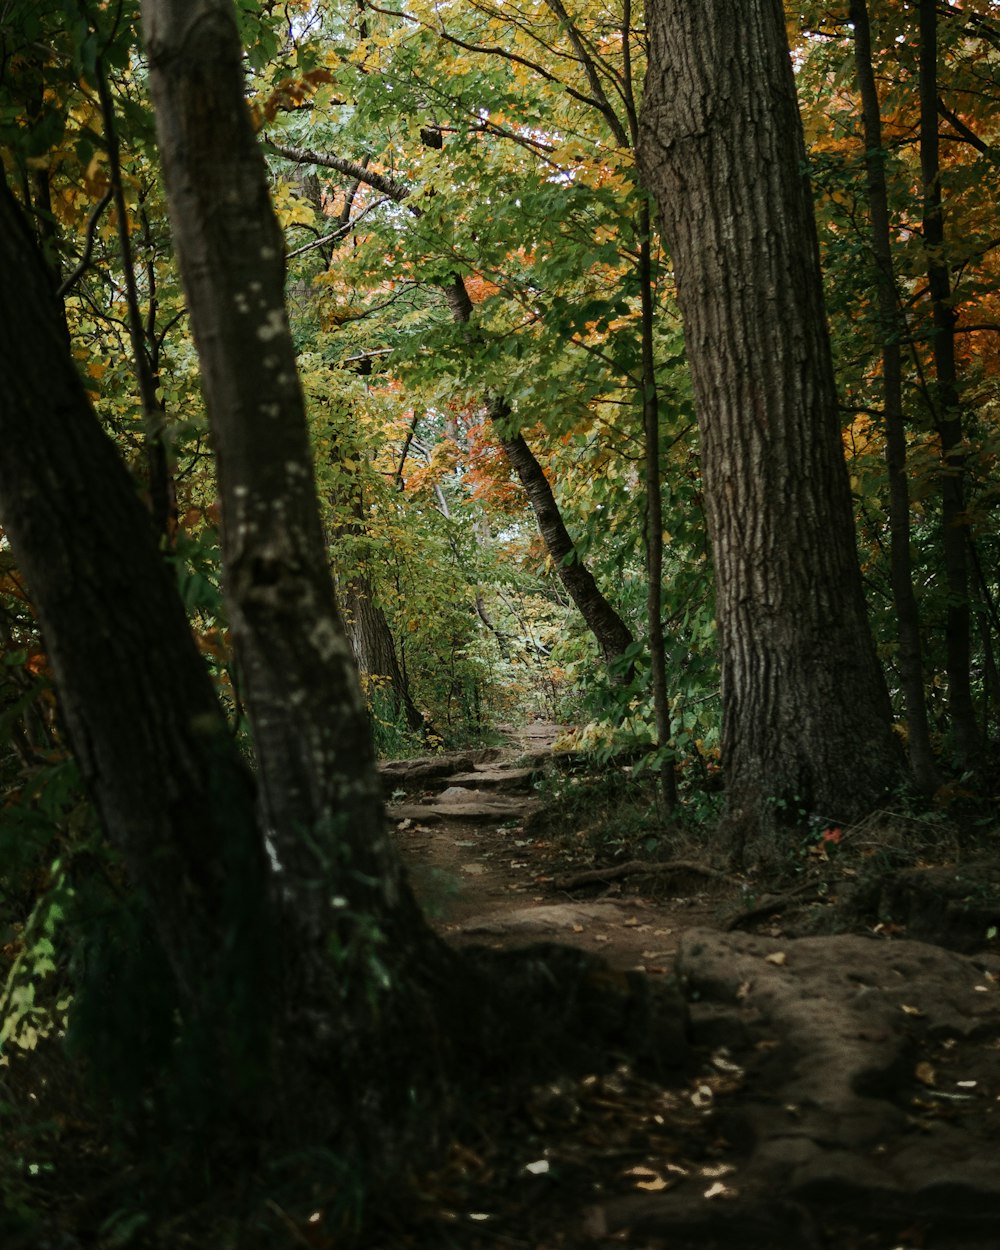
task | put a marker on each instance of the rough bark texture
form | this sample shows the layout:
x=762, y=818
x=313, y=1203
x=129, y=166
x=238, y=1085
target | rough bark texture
x=946, y=411
x=904, y=600
x=805, y=710
x=145, y=726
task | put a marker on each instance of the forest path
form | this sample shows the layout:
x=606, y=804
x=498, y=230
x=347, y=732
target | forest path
x=846, y=1088
x=467, y=828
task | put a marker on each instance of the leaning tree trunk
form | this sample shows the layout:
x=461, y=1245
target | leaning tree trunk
x=144, y=724
x=613, y=636
x=806, y=718
x=891, y=325
x=362, y=971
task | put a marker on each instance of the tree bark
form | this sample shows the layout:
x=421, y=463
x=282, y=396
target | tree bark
x=806, y=717
x=946, y=412
x=148, y=734
x=901, y=566
x=361, y=968
x=371, y=638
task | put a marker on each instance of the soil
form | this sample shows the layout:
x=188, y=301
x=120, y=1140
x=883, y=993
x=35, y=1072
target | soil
x=838, y=1092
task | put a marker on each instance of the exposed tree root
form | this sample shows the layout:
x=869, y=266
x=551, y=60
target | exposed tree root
x=640, y=868
x=772, y=903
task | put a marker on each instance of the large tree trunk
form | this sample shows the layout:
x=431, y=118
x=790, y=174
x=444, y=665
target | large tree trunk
x=806, y=718
x=901, y=570
x=146, y=729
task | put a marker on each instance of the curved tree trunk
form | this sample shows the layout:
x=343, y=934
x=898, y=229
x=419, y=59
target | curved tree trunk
x=806, y=717
x=901, y=570
x=612, y=634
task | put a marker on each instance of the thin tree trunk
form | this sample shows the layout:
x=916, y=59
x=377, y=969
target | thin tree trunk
x=371, y=638
x=806, y=716
x=654, y=520
x=612, y=634
x=947, y=411
x=905, y=602
x=162, y=495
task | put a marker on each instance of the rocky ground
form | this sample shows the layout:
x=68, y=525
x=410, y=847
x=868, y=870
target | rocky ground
x=838, y=1091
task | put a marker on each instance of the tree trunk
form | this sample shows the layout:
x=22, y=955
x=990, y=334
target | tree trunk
x=148, y=734
x=946, y=412
x=806, y=717
x=612, y=634
x=361, y=969
x=654, y=521
x=901, y=571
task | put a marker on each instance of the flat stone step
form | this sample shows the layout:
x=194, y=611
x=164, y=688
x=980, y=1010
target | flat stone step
x=459, y=803
x=498, y=778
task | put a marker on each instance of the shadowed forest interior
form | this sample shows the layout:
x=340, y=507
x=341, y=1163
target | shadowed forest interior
x=499, y=588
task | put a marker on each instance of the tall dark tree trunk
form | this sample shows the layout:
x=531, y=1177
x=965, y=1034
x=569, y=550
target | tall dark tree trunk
x=159, y=475
x=901, y=566
x=806, y=717
x=947, y=411
x=146, y=729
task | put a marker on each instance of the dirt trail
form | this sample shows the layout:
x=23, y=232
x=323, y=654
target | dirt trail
x=848, y=1096
x=465, y=830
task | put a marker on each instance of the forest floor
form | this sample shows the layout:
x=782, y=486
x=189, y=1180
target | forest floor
x=840, y=1086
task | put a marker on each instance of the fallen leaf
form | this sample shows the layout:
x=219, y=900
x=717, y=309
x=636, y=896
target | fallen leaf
x=778, y=958
x=718, y=1190
x=702, y=1096
x=630, y=921
x=910, y=1011
x=578, y=928
x=653, y=1186
x=538, y=1168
